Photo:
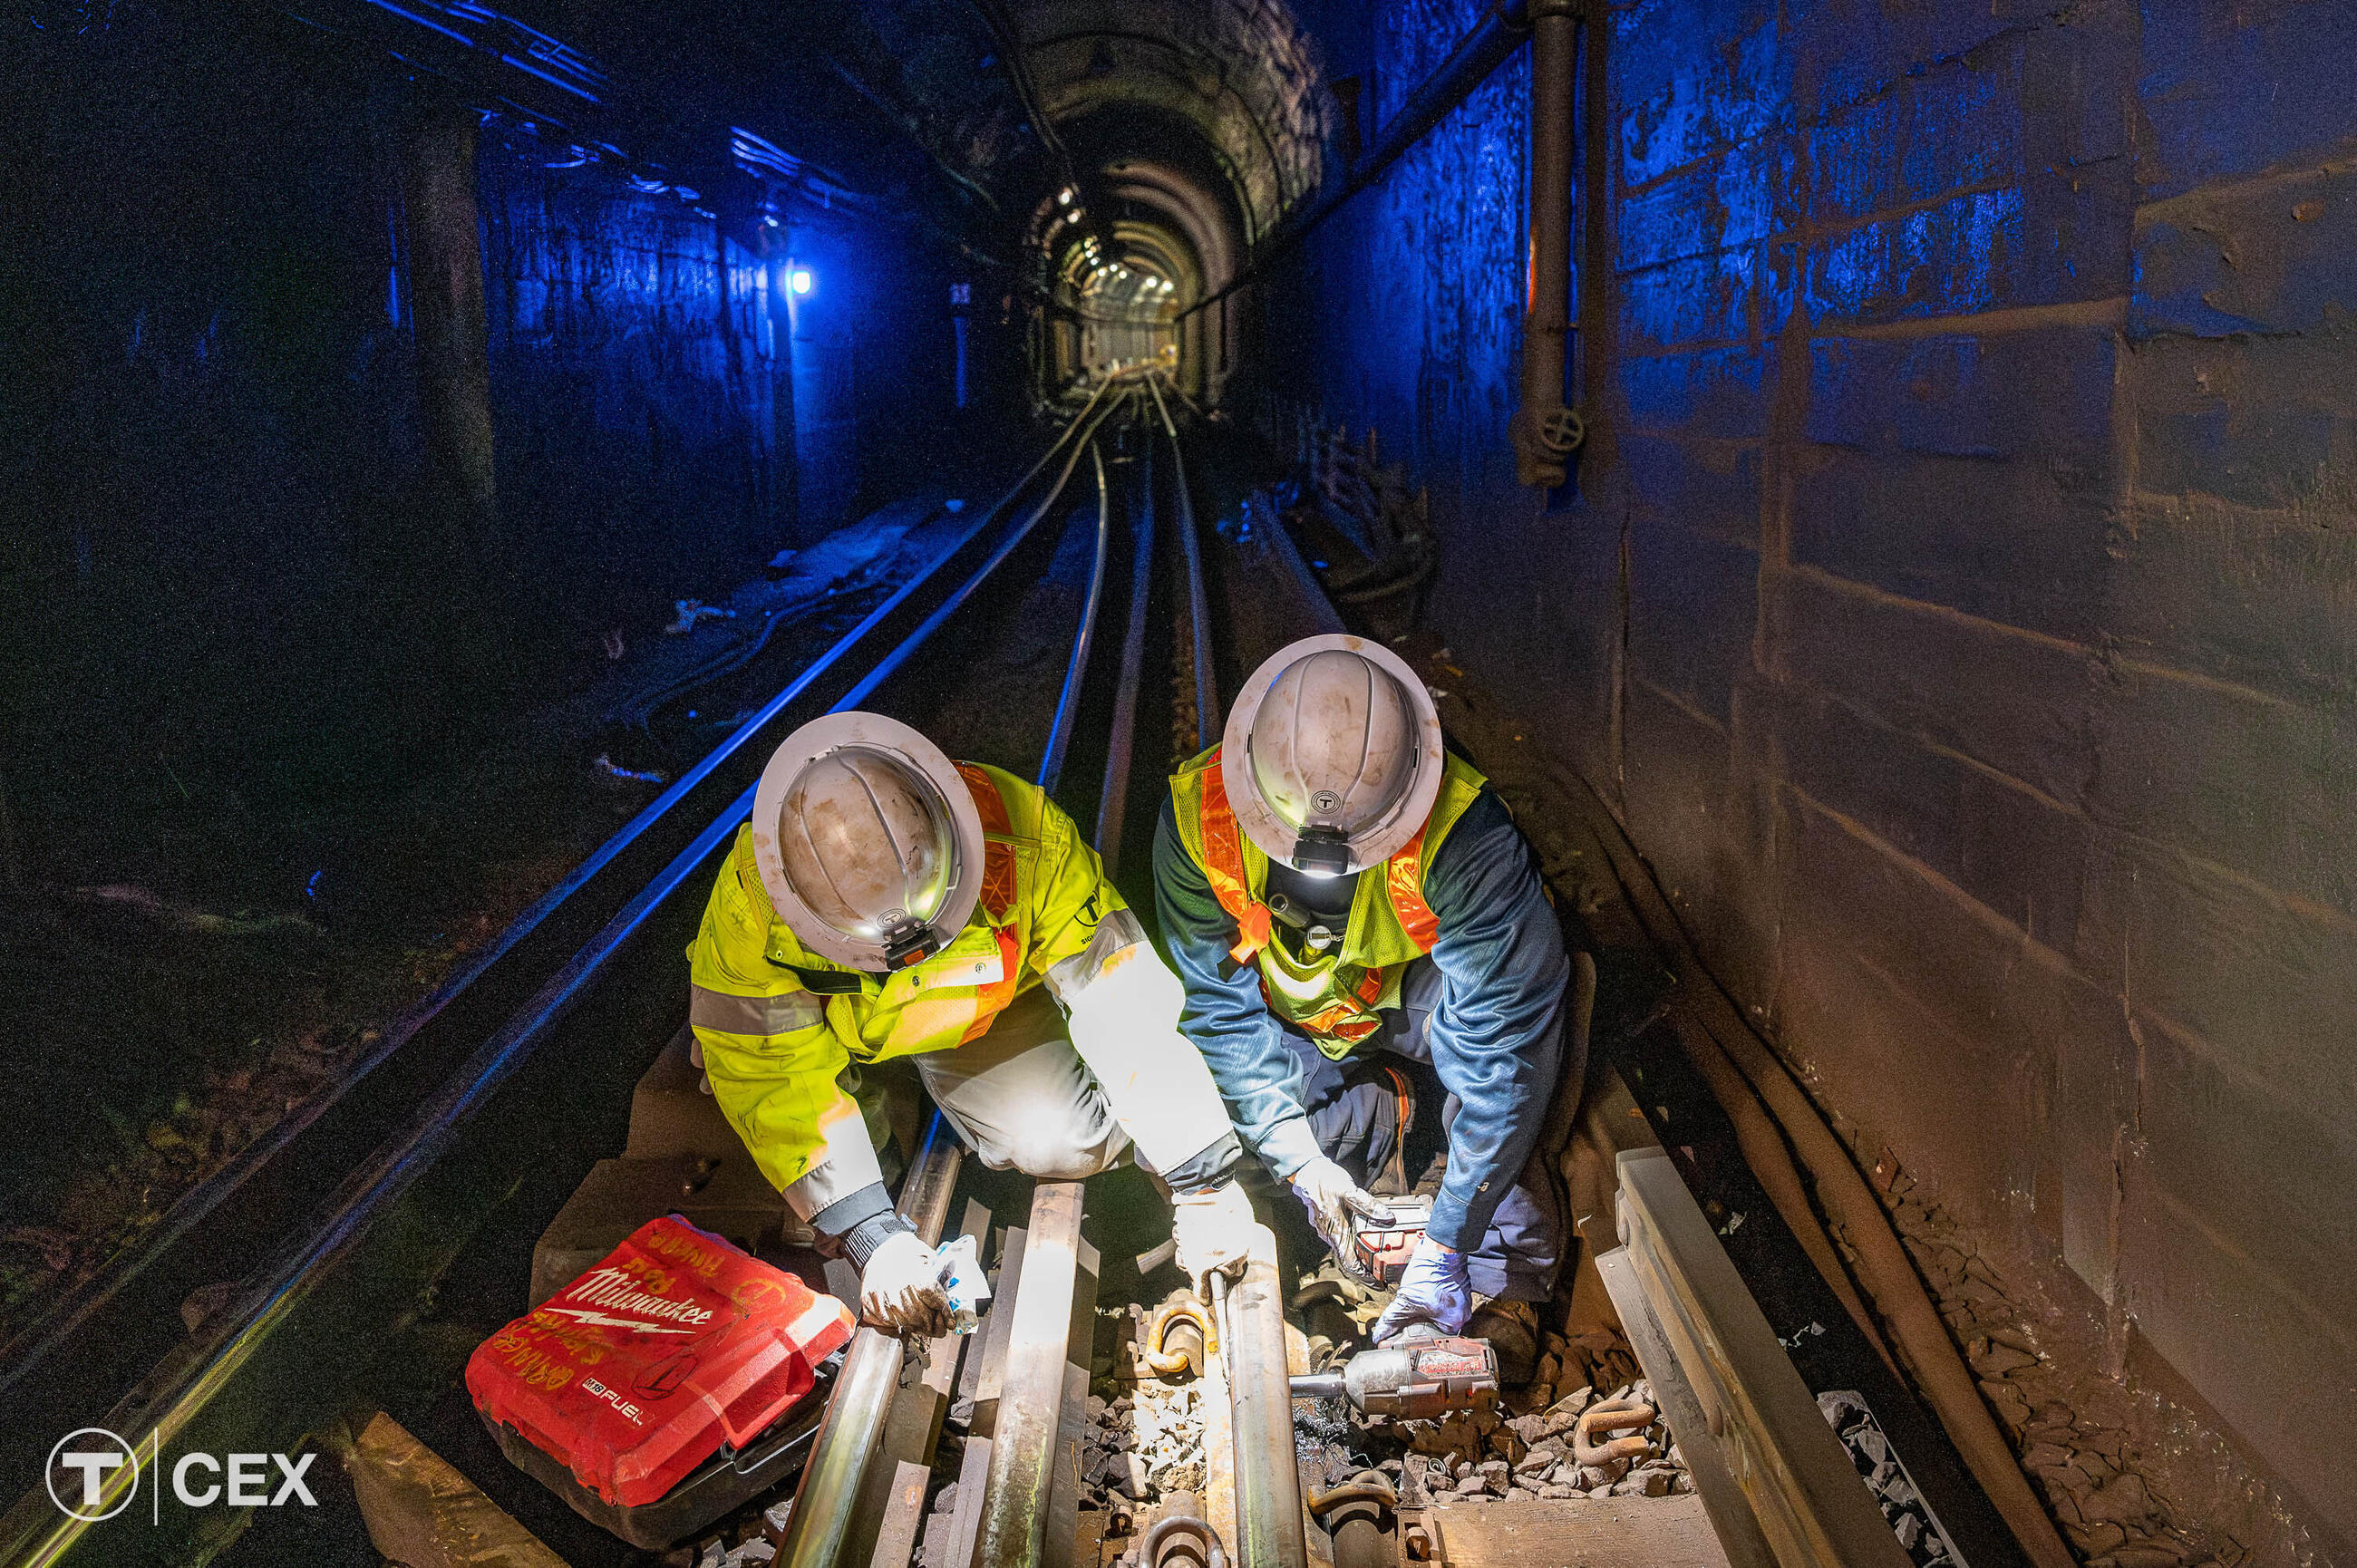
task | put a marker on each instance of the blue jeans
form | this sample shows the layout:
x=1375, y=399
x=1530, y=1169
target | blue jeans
x=1356, y=1106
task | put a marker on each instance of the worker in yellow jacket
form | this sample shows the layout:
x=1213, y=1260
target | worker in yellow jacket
x=887, y=902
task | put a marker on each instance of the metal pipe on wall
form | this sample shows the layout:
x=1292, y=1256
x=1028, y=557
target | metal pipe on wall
x=1543, y=430
x=1483, y=48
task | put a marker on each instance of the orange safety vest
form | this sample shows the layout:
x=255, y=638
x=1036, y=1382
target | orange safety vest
x=1333, y=997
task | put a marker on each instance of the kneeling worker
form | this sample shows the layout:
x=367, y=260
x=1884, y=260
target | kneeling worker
x=1334, y=885
x=887, y=902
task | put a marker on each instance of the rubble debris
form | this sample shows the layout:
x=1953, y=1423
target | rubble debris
x=1143, y=1445
x=1524, y=1450
x=2080, y=1463
x=609, y=767
x=1869, y=1449
x=182, y=917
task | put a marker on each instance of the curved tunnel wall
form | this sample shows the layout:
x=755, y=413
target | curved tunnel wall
x=1243, y=77
x=1208, y=122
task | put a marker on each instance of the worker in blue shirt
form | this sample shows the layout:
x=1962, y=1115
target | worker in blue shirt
x=1335, y=887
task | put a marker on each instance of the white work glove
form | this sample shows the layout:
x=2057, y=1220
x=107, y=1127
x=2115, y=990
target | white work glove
x=901, y=1290
x=1214, y=1232
x=1332, y=1197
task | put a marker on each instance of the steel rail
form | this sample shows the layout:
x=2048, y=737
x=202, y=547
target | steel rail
x=1113, y=800
x=1032, y=1383
x=1251, y=1320
x=827, y=1500
x=1791, y=1479
x=932, y=623
x=1199, y=608
x=34, y=1347
x=174, y=1394
x=1068, y=702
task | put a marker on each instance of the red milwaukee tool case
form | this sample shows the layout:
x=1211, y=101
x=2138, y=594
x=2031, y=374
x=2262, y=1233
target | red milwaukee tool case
x=668, y=1363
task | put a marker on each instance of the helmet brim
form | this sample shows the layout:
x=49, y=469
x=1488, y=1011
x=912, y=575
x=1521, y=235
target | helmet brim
x=832, y=731
x=1380, y=840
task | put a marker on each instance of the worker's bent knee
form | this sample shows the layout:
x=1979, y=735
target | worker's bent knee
x=1061, y=1164
x=1060, y=1148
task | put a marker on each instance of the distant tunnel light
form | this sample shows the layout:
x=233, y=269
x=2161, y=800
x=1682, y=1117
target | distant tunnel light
x=799, y=279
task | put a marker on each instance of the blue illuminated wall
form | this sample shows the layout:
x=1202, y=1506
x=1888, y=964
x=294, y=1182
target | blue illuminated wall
x=1956, y=604
x=666, y=416
x=635, y=379
x=220, y=528
x=1403, y=317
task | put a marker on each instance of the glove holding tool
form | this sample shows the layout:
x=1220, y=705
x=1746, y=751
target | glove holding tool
x=1336, y=1205
x=1213, y=1232
x=1433, y=1289
x=911, y=1288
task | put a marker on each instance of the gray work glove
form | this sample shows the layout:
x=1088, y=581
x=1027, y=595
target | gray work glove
x=1332, y=1198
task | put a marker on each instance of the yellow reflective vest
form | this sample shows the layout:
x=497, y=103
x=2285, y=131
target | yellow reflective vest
x=778, y=1024
x=1332, y=996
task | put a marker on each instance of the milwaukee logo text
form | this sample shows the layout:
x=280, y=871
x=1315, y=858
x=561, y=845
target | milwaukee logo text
x=611, y=1289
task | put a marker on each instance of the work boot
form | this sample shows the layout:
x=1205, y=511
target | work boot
x=1512, y=1328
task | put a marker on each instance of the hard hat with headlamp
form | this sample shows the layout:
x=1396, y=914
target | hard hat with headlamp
x=1332, y=756
x=867, y=842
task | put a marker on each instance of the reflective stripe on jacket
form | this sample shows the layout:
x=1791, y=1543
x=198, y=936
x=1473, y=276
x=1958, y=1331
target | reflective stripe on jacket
x=775, y=1042
x=1332, y=998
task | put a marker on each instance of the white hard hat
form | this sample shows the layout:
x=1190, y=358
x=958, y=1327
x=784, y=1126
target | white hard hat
x=868, y=840
x=1332, y=756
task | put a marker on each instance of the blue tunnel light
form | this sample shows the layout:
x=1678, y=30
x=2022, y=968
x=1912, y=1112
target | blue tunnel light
x=799, y=279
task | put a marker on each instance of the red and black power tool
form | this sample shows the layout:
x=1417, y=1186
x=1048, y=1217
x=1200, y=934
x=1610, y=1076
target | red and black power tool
x=1411, y=1378
x=1381, y=1246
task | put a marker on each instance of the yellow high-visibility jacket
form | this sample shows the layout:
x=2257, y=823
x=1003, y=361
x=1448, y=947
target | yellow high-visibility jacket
x=778, y=1023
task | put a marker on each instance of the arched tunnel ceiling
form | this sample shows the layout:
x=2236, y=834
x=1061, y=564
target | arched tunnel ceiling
x=914, y=103
x=1244, y=77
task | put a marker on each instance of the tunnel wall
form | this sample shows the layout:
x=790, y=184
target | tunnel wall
x=1402, y=318
x=1956, y=606
x=229, y=532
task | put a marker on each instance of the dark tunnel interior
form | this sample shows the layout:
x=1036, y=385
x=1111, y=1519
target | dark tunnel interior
x=1897, y=463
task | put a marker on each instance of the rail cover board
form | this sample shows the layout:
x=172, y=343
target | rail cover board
x=1796, y=1480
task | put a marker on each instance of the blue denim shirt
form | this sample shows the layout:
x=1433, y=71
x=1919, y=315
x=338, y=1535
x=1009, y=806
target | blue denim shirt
x=1497, y=1038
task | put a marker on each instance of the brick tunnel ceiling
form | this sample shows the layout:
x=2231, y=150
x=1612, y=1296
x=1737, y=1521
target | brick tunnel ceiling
x=1237, y=83
x=1242, y=77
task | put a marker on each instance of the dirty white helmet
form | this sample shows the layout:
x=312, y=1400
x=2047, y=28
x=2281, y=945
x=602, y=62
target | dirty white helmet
x=1332, y=756
x=867, y=842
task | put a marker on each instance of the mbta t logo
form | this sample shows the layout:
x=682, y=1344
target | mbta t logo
x=94, y=1473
